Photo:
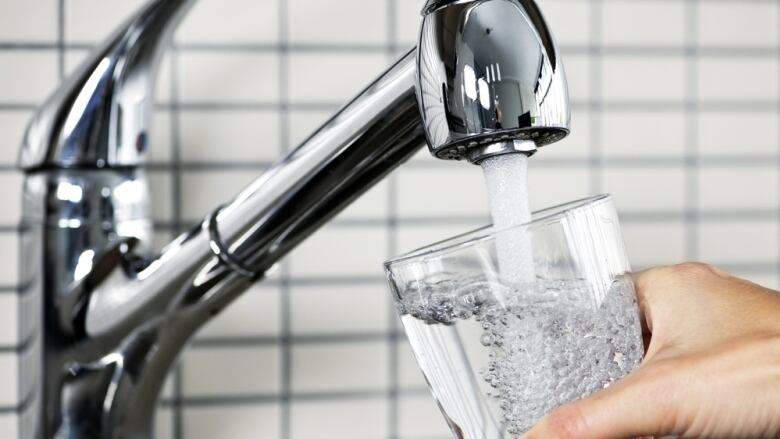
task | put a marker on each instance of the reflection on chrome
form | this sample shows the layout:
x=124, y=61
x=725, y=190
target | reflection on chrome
x=105, y=320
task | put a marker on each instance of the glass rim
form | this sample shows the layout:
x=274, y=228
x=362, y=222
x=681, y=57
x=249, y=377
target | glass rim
x=486, y=232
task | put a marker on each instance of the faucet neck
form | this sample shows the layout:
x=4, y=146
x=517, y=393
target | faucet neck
x=100, y=117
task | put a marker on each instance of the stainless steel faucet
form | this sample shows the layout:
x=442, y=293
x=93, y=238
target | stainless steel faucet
x=103, y=320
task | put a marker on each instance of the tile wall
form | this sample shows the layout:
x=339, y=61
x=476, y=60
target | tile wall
x=676, y=106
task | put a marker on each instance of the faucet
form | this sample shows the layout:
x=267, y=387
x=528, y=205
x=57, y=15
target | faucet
x=103, y=320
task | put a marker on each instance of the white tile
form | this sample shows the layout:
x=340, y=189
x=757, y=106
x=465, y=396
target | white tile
x=409, y=19
x=28, y=309
x=168, y=385
x=229, y=136
x=230, y=21
x=341, y=309
x=164, y=82
x=578, y=77
x=738, y=188
x=27, y=424
x=373, y=204
x=256, y=313
x=577, y=145
x=569, y=20
x=409, y=374
x=233, y=422
x=10, y=375
x=9, y=425
x=305, y=123
x=422, y=156
x=638, y=134
x=657, y=243
x=30, y=373
x=236, y=77
x=232, y=371
x=744, y=242
x=160, y=139
x=412, y=237
x=549, y=187
x=332, y=77
x=646, y=189
x=160, y=185
x=24, y=22
x=738, y=79
x=203, y=191
x=13, y=125
x=9, y=326
x=737, y=133
x=11, y=197
x=365, y=419
x=737, y=23
x=419, y=418
x=163, y=424
x=27, y=77
x=643, y=22
x=340, y=251
x=348, y=21
x=339, y=367
x=456, y=190
x=651, y=78
x=74, y=58
x=92, y=21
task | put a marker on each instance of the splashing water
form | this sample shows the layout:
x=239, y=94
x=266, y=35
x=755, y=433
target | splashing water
x=547, y=345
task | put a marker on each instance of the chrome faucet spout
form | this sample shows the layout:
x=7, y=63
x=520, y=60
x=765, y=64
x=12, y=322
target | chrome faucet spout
x=104, y=321
x=491, y=81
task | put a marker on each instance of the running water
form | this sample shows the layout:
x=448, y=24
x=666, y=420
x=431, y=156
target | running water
x=506, y=178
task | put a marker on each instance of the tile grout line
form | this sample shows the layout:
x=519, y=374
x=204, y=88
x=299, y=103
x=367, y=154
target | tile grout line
x=393, y=404
x=692, y=219
x=709, y=51
x=176, y=213
x=285, y=427
x=625, y=105
x=596, y=151
x=61, y=38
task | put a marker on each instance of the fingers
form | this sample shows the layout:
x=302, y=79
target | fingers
x=636, y=407
x=639, y=279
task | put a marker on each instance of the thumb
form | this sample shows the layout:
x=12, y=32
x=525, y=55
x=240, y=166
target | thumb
x=638, y=406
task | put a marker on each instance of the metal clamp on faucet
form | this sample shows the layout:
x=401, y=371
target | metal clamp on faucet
x=103, y=330
x=221, y=250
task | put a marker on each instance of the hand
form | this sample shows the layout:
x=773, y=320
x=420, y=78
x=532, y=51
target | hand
x=712, y=367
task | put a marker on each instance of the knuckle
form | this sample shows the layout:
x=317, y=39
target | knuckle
x=694, y=270
x=567, y=422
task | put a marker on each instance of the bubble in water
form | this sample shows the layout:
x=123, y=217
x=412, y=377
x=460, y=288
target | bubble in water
x=548, y=342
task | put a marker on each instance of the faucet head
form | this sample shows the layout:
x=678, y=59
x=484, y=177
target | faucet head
x=490, y=80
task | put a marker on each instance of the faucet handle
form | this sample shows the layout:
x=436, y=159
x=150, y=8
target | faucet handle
x=99, y=117
x=490, y=80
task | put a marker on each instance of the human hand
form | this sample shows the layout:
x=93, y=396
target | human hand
x=712, y=367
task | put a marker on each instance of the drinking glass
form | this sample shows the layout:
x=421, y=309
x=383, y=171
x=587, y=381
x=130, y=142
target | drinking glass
x=500, y=350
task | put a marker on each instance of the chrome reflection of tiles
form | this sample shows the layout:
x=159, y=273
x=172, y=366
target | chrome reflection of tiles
x=315, y=351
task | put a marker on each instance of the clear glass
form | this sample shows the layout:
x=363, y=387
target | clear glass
x=499, y=352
